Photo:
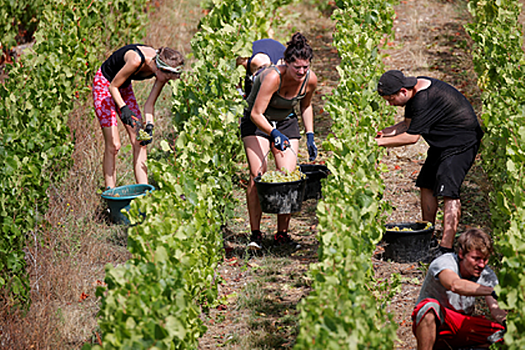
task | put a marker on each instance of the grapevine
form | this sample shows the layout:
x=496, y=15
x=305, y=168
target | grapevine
x=351, y=216
x=159, y=296
x=36, y=100
x=499, y=62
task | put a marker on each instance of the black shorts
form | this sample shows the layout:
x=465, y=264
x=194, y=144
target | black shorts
x=289, y=128
x=445, y=175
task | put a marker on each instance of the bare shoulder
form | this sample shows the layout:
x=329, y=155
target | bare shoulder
x=312, y=83
x=132, y=59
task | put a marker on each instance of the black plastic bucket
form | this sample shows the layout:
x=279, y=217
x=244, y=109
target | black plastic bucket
x=407, y=246
x=314, y=172
x=282, y=197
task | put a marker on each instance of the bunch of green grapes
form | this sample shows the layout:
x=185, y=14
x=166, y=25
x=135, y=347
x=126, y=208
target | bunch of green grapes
x=143, y=136
x=283, y=175
x=396, y=228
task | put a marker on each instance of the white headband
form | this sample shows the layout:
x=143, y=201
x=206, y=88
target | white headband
x=164, y=66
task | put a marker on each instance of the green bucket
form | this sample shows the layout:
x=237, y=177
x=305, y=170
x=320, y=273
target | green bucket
x=119, y=200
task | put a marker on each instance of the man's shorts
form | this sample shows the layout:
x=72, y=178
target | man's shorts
x=105, y=107
x=445, y=175
x=289, y=127
x=454, y=329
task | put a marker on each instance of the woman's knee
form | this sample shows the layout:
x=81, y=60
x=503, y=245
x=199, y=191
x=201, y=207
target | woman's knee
x=113, y=147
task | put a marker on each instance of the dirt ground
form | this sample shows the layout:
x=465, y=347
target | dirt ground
x=429, y=41
x=262, y=290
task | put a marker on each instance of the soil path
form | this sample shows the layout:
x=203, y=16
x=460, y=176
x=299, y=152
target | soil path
x=261, y=292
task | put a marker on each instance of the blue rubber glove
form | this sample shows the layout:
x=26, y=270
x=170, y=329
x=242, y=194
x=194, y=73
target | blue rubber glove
x=312, y=148
x=280, y=141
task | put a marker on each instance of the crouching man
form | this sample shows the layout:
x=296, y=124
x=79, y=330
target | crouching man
x=442, y=318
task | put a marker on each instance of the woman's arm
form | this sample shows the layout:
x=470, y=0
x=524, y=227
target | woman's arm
x=307, y=112
x=149, y=107
x=269, y=85
x=133, y=63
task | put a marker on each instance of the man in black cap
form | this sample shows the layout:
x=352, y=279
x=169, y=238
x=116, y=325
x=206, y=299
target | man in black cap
x=448, y=123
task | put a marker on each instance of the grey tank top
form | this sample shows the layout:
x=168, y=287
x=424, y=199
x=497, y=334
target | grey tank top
x=279, y=108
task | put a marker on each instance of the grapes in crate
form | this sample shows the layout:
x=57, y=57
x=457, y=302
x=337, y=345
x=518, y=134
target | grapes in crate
x=283, y=175
x=397, y=228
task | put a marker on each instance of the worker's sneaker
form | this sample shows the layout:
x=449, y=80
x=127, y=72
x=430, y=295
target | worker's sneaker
x=283, y=239
x=498, y=336
x=255, y=240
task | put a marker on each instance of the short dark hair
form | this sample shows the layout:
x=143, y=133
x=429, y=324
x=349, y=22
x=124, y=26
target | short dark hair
x=298, y=49
x=475, y=239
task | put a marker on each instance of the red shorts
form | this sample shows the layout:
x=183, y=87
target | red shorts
x=455, y=329
x=105, y=107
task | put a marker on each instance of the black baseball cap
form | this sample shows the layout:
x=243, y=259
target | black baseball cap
x=392, y=81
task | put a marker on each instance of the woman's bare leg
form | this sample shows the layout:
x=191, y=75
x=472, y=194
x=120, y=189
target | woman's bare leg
x=111, y=148
x=140, y=155
x=256, y=148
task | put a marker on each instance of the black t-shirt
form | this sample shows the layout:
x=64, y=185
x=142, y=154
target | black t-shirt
x=115, y=62
x=444, y=117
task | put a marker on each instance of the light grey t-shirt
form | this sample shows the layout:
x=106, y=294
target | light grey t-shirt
x=432, y=287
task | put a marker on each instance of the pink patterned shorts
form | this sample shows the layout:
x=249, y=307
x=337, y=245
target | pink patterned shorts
x=105, y=107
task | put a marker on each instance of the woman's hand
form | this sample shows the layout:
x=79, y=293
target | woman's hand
x=148, y=130
x=127, y=116
x=310, y=144
x=281, y=142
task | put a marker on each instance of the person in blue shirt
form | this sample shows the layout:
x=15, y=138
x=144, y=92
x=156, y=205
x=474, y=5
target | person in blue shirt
x=265, y=52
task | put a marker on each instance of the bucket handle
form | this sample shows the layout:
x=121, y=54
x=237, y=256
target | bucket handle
x=324, y=172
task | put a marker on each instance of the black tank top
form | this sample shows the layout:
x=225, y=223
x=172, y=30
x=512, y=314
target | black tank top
x=115, y=62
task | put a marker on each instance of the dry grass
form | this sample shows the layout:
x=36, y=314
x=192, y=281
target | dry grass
x=66, y=257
